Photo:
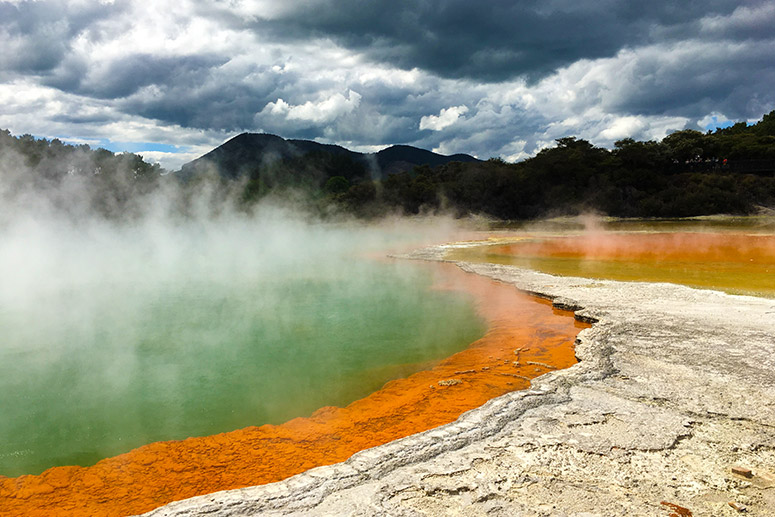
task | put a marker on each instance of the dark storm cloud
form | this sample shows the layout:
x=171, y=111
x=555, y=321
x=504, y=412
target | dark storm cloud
x=694, y=81
x=229, y=107
x=496, y=78
x=121, y=78
x=491, y=41
x=36, y=36
x=486, y=133
x=219, y=98
x=97, y=118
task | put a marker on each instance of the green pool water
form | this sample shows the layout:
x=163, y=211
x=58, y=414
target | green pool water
x=113, y=340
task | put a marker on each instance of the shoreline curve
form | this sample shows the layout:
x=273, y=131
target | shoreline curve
x=161, y=472
x=672, y=406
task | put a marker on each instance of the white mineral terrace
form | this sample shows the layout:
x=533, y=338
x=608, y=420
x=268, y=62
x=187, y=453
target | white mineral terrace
x=673, y=401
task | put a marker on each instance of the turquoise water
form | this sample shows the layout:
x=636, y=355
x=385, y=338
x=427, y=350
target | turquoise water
x=132, y=348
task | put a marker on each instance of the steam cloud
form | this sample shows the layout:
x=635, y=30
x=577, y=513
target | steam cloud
x=80, y=290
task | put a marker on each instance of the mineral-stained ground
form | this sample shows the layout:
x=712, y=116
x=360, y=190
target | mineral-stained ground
x=670, y=411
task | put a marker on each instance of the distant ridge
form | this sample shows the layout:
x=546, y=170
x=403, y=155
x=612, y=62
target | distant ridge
x=248, y=153
x=398, y=158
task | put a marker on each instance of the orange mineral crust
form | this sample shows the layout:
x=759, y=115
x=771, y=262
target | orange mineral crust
x=526, y=338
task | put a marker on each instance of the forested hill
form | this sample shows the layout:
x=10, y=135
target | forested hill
x=274, y=159
x=688, y=173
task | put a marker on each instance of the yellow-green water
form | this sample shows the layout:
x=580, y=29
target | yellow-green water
x=736, y=256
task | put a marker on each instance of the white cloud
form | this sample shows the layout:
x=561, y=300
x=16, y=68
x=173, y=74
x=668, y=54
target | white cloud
x=623, y=127
x=713, y=120
x=321, y=112
x=514, y=151
x=389, y=76
x=445, y=118
x=172, y=161
x=356, y=147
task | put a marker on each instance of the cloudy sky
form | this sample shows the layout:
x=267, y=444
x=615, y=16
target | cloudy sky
x=172, y=79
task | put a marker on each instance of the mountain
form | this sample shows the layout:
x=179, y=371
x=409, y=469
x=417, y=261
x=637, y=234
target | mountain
x=253, y=154
x=400, y=158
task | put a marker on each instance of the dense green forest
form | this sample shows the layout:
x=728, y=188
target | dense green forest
x=688, y=173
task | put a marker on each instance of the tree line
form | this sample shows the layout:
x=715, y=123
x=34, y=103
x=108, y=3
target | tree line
x=75, y=178
x=688, y=173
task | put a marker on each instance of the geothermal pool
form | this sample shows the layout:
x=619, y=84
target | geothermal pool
x=107, y=346
x=93, y=373
x=246, y=338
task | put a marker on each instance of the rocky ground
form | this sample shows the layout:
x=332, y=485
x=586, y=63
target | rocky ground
x=670, y=411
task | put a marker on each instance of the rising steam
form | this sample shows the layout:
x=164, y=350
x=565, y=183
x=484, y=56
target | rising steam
x=116, y=316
